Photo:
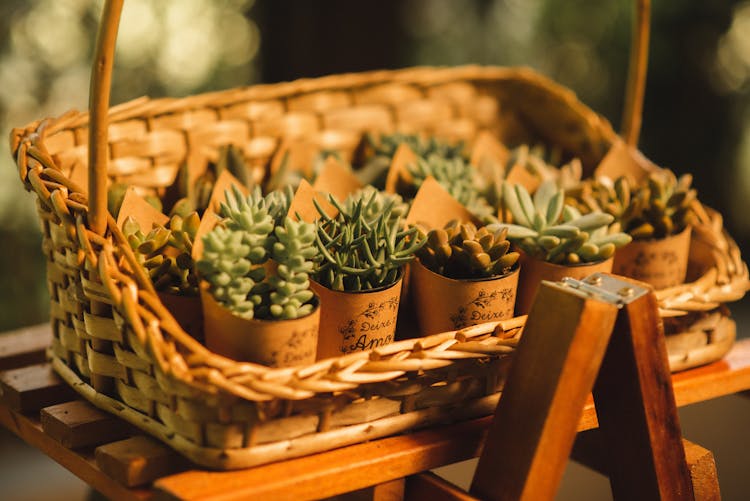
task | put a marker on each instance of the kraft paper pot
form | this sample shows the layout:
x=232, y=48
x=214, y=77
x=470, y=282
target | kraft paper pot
x=660, y=262
x=356, y=321
x=533, y=271
x=444, y=304
x=187, y=311
x=274, y=343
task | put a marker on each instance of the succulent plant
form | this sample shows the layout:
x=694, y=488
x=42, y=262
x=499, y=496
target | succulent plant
x=116, y=194
x=375, y=202
x=460, y=251
x=545, y=228
x=165, y=253
x=361, y=253
x=547, y=164
x=458, y=177
x=255, y=229
x=656, y=209
x=375, y=169
x=196, y=196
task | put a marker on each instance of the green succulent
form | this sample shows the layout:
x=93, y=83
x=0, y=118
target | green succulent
x=195, y=197
x=116, y=194
x=255, y=229
x=384, y=148
x=458, y=177
x=460, y=251
x=375, y=202
x=359, y=252
x=545, y=228
x=165, y=253
x=656, y=209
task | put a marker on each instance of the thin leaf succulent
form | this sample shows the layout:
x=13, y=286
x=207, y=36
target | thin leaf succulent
x=165, y=253
x=236, y=252
x=545, y=228
x=461, y=251
x=361, y=253
x=375, y=203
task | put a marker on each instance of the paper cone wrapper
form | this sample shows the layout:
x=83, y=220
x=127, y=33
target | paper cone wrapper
x=336, y=179
x=187, y=311
x=356, y=321
x=444, y=304
x=624, y=160
x=274, y=343
x=142, y=212
x=661, y=262
x=533, y=271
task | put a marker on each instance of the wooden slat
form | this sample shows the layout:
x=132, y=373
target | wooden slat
x=32, y=387
x=138, y=460
x=388, y=491
x=80, y=463
x=429, y=486
x=24, y=346
x=80, y=424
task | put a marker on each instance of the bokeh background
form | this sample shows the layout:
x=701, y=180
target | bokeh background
x=696, y=115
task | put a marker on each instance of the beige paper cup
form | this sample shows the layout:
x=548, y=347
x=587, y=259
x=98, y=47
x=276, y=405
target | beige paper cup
x=662, y=262
x=444, y=304
x=187, y=311
x=533, y=271
x=356, y=321
x=274, y=343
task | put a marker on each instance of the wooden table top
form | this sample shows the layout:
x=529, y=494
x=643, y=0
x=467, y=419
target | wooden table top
x=47, y=415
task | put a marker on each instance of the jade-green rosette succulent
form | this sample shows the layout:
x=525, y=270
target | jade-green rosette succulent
x=361, y=249
x=165, y=253
x=546, y=229
x=235, y=254
x=461, y=251
x=658, y=208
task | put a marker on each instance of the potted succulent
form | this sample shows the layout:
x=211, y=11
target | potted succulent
x=656, y=214
x=364, y=249
x=464, y=276
x=255, y=289
x=165, y=254
x=555, y=239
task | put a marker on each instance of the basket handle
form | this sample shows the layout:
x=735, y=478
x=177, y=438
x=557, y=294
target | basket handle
x=101, y=81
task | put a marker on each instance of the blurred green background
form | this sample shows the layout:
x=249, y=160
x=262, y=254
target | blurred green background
x=696, y=117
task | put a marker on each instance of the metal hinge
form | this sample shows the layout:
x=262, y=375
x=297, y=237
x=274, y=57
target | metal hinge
x=603, y=287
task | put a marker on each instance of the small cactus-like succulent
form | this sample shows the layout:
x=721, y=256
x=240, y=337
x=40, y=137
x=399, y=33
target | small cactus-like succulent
x=460, y=251
x=196, y=196
x=656, y=209
x=361, y=253
x=545, y=228
x=165, y=253
x=255, y=229
x=547, y=164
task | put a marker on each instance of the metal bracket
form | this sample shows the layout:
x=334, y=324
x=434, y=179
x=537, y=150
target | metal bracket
x=603, y=287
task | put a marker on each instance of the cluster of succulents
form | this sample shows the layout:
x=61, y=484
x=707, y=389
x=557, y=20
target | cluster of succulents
x=547, y=229
x=255, y=229
x=422, y=147
x=361, y=252
x=195, y=196
x=547, y=164
x=165, y=253
x=461, y=251
x=656, y=209
x=375, y=202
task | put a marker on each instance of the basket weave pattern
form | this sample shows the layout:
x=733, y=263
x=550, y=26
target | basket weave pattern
x=117, y=344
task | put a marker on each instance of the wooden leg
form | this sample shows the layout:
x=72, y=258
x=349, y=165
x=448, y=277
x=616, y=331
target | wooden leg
x=590, y=451
x=637, y=412
x=554, y=369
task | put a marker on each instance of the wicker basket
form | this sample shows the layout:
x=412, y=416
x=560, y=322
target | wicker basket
x=117, y=345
